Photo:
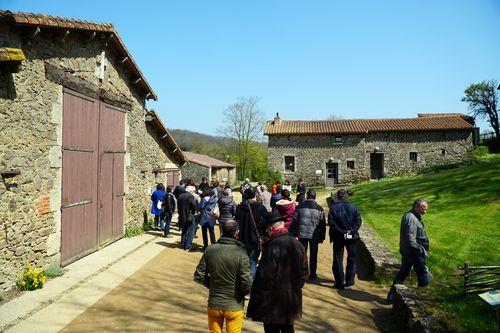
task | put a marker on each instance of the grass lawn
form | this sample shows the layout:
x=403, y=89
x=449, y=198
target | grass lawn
x=463, y=224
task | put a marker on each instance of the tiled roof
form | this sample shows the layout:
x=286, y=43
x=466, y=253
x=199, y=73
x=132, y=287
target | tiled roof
x=363, y=126
x=206, y=160
x=167, y=137
x=55, y=22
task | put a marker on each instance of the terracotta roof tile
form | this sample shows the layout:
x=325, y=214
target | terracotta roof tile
x=206, y=160
x=362, y=126
x=55, y=22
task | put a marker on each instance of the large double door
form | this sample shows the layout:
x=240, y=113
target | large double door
x=93, y=149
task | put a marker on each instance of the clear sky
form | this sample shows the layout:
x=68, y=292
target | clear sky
x=305, y=59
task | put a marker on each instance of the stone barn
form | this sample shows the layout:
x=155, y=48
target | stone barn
x=200, y=165
x=330, y=152
x=79, y=153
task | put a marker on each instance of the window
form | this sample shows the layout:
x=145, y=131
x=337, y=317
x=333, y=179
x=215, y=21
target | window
x=413, y=156
x=443, y=152
x=338, y=140
x=350, y=165
x=289, y=163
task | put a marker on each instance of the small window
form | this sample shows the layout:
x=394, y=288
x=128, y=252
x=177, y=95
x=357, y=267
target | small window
x=443, y=152
x=290, y=163
x=413, y=156
x=350, y=165
x=338, y=140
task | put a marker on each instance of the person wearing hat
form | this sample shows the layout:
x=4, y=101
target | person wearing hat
x=276, y=295
x=344, y=221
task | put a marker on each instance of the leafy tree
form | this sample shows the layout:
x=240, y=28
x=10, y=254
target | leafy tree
x=245, y=124
x=483, y=102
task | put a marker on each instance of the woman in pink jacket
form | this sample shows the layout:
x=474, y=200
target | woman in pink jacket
x=285, y=207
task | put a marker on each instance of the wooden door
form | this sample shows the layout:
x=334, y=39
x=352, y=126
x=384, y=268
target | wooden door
x=332, y=174
x=376, y=165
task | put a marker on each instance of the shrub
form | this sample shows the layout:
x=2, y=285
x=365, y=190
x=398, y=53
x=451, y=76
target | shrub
x=480, y=152
x=147, y=225
x=131, y=231
x=53, y=272
x=30, y=278
x=272, y=176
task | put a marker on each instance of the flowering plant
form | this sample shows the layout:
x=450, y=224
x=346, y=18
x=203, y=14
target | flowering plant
x=30, y=278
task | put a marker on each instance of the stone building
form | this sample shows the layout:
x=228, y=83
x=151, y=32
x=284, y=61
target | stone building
x=77, y=157
x=330, y=152
x=200, y=165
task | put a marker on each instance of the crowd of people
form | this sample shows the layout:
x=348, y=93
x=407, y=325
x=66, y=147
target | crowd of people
x=262, y=249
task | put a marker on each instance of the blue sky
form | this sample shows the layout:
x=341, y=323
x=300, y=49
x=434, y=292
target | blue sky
x=304, y=59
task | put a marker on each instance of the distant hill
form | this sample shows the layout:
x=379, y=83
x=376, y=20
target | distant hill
x=211, y=145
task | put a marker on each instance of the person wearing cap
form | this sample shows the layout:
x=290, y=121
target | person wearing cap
x=224, y=268
x=309, y=226
x=276, y=295
x=344, y=221
x=250, y=216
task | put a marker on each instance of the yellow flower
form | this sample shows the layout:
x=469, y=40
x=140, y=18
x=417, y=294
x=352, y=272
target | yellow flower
x=23, y=283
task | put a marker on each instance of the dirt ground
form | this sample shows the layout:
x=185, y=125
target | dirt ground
x=162, y=297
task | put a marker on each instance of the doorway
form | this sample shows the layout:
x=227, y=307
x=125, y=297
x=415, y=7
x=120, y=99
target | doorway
x=332, y=174
x=376, y=165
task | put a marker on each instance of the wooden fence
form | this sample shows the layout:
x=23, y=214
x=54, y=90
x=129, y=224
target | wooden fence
x=480, y=278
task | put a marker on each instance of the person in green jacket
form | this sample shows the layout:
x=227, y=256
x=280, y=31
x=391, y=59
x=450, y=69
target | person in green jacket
x=224, y=268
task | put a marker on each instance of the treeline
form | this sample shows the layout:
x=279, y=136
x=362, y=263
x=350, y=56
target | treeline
x=225, y=149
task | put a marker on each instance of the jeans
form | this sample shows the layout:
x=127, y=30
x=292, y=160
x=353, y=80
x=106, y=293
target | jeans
x=167, y=219
x=278, y=328
x=338, y=259
x=418, y=264
x=234, y=320
x=187, y=235
x=210, y=229
x=253, y=255
x=157, y=220
x=313, y=256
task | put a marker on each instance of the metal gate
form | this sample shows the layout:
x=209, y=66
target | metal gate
x=92, y=200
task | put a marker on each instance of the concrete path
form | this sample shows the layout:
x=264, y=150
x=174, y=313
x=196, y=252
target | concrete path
x=161, y=297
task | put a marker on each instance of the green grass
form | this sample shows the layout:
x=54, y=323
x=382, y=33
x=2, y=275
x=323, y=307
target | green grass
x=463, y=224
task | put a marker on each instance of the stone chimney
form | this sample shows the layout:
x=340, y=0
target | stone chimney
x=277, y=119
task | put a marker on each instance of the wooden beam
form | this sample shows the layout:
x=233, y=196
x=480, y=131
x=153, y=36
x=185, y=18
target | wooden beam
x=66, y=33
x=122, y=61
x=93, y=35
x=110, y=37
x=139, y=79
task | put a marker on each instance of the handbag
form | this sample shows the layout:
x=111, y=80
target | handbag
x=259, y=237
x=215, y=212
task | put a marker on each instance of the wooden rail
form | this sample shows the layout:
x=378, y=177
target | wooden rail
x=480, y=278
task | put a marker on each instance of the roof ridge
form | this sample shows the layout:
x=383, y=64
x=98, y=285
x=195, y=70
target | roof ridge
x=55, y=17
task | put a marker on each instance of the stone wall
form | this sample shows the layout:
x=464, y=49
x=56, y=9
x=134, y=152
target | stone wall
x=220, y=173
x=313, y=152
x=31, y=141
x=195, y=172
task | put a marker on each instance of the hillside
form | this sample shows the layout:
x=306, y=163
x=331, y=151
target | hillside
x=463, y=223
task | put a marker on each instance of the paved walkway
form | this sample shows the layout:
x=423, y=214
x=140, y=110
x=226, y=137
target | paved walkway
x=161, y=296
x=144, y=284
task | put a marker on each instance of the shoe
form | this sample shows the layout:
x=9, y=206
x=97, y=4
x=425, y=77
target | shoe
x=338, y=287
x=168, y=236
x=349, y=285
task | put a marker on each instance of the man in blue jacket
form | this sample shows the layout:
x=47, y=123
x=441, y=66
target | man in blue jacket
x=344, y=221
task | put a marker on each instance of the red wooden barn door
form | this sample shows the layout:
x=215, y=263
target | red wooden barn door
x=111, y=173
x=79, y=181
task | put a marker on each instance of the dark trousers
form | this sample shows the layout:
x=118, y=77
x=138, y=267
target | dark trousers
x=187, y=234
x=157, y=220
x=418, y=264
x=313, y=256
x=253, y=255
x=278, y=328
x=210, y=229
x=338, y=259
x=167, y=218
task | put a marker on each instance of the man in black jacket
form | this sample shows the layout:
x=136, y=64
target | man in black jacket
x=276, y=296
x=168, y=209
x=301, y=191
x=250, y=216
x=344, y=221
x=309, y=226
x=186, y=207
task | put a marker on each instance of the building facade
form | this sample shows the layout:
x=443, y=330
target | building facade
x=326, y=153
x=212, y=169
x=77, y=159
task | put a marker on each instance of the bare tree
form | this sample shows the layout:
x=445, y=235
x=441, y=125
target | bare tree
x=483, y=102
x=244, y=123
